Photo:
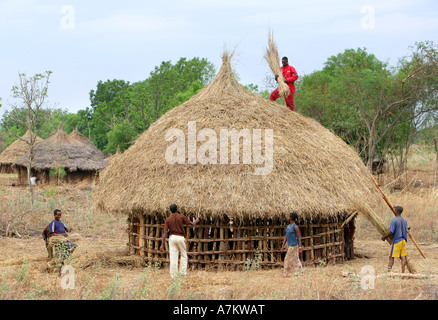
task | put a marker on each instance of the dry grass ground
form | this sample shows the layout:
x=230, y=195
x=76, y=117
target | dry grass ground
x=103, y=271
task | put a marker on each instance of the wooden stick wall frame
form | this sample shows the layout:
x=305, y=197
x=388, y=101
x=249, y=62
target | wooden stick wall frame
x=217, y=244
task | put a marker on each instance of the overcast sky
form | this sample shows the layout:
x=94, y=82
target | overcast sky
x=83, y=42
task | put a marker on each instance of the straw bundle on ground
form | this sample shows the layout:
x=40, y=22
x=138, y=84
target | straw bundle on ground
x=314, y=173
x=273, y=59
x=14, y=151
x=74, y=152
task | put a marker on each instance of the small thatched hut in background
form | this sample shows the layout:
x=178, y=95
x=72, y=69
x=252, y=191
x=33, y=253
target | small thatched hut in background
x=14, y=152
x=78, y=156
x=314, y=173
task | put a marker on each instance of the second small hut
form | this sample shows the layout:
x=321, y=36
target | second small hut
x=15, y=151
x=243, y=215
x=78, y=156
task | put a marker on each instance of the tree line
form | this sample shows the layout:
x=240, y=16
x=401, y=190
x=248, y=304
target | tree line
x=380, y=110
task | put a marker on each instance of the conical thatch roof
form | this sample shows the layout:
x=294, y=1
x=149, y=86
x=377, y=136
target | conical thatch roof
x=74, y=152
x=76, y=135
x=315, y=173
x=16, y=149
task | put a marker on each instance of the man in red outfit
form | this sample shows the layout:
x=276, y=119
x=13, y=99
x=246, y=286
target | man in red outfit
x=290, y=75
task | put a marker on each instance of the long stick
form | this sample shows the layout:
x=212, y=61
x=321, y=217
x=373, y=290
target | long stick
x=393, y=210
x=349, y=218
x=415, y=242
x=383, y=195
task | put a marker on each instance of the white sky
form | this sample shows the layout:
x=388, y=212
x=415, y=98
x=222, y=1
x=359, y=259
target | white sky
x=83, y=42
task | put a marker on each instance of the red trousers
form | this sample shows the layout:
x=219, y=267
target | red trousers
x=289, y=99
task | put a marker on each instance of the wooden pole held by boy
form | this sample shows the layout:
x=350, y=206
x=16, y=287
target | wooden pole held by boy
x=393, y=210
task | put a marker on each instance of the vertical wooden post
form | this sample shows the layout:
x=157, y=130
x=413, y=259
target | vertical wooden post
x=305, y=242
x=129, y=234
x=279, y=234
x=157, y=228
x=324, y=240
x=149, y=241
x=199, y=247
x=240, y=245
x=311, y=245
x=265, y=240
x=152, y=234
x=270, y=243
x=342, y=240
x=141, y=232
x=222, y=248
x=226, y=230
x=216, y=243
x=260, y=233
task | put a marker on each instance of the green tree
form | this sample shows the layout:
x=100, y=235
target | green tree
x=123, y=135
x=31, y=94
x=57, y=173
x=106, y=91
x=118, y=105
x=366, y=102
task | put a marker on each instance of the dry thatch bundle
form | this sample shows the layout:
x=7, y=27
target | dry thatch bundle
x=13, y=152
x=74, y=153
x=273, y=59
x=314, y=172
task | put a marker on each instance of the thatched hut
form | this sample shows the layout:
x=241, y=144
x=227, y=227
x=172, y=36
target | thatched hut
x=14, y=151
x=78, y=156
x=314, y=173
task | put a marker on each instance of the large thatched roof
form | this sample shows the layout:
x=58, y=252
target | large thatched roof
x=315, y=173
x=16, y=149
x=74, y=152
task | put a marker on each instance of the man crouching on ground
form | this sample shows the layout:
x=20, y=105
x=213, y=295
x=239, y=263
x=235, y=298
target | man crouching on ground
x=174, y=226
x=58, y=240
